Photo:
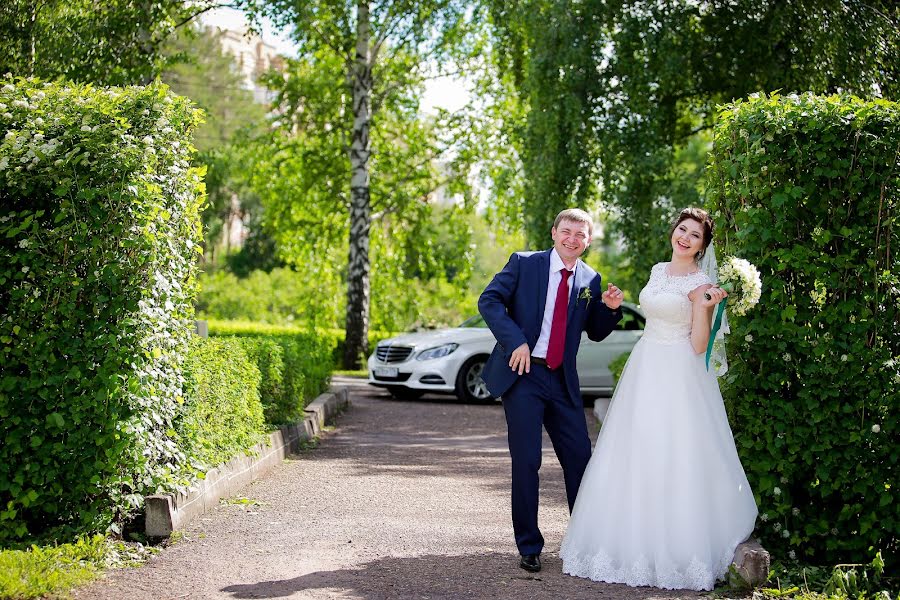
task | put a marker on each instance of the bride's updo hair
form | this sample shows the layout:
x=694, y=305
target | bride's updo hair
x=702, y=217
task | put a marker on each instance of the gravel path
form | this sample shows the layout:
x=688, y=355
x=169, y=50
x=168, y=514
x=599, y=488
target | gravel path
x=402, y=500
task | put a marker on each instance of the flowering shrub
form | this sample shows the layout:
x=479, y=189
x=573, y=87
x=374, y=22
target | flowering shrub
x=99, y=229
x=807, y=188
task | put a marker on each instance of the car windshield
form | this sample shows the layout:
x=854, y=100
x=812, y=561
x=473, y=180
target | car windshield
x=475, y=321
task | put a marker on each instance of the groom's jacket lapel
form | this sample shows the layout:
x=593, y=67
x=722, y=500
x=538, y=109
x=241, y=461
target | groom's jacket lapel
x=577, y=285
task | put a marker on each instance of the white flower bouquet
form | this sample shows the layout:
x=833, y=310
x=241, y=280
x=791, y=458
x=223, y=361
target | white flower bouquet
x=742, y=282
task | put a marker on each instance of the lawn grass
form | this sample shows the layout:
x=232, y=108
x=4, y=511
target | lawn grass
x=52, y=571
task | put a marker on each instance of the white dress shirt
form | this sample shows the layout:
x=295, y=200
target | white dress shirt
x=556, y=263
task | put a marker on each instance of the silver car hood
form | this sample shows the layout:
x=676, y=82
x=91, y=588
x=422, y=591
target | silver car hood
x=436, y=337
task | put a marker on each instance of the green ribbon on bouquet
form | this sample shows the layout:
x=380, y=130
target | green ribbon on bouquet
x=717, y=324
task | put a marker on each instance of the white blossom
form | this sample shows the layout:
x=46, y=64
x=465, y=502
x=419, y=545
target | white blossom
x=7, y=115
x=748, y=338
x=20, y=103
x=9, y=87
x=785, y=534
x=764, y=517
x=25, y=269
x=792, y=555
x=787, y=357
x=777, y=491
x=39, y=122
x=10, y=135
x=843, y=358
x=876, y=428
x=795, y=511
x=23, y=244
x=834, y=531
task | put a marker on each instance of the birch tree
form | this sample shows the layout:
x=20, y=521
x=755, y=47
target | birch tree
x=385, y=50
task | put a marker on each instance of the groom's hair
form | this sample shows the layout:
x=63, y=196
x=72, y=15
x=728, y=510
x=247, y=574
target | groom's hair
x=702, y=217
x=577, y=215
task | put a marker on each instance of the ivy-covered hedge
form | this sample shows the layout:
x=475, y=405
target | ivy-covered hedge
x=294, y=373
x=807, y=189
x=99, y=229
x=222, y=415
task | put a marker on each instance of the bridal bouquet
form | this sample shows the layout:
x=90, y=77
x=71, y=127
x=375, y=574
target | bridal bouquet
x=741, y=280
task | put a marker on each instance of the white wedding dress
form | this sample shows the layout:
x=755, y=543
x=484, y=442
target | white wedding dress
x=664, y=500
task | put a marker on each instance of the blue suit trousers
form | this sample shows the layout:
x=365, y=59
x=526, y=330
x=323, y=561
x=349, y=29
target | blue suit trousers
x=540, y=398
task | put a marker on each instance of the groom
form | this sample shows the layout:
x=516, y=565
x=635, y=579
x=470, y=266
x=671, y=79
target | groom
x=537, y=307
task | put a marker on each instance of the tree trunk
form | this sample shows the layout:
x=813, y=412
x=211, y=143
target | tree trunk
x=356, y=344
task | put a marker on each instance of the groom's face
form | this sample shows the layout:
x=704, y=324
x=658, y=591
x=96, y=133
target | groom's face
x=570, y=239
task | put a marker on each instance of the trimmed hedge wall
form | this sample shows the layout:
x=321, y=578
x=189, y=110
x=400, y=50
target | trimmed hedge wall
x=295, y=364
x=222, y=415
x=807, y=189
x=99, y=229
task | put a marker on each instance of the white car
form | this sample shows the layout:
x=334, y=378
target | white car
x=450, y=361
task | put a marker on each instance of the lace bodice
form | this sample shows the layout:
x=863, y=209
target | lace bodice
x=665, y=303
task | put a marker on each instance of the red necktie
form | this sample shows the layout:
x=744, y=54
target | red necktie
x=558, y=325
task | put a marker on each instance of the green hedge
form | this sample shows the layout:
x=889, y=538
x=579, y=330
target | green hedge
x=617, y=366
x=294, y=373
x=222, y=415
x=99, y=229
x=807, y=189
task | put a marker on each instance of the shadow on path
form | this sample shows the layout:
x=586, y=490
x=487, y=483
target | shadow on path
x=484, y=575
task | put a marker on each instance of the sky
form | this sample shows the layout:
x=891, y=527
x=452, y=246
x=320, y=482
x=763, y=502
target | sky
x=447, y=92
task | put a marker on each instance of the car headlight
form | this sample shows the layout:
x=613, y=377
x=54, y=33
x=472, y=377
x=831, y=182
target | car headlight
x=438, y=352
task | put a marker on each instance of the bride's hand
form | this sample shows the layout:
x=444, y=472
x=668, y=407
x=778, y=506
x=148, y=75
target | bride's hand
x=697, y=293
x=715, y=293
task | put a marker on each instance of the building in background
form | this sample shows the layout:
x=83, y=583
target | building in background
x=252, y=56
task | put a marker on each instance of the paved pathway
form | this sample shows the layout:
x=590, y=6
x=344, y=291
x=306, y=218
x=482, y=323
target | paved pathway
x=402, y=500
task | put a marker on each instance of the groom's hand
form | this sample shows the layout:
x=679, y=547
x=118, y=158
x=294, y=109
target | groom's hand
x=612, y=297
x=521, y=359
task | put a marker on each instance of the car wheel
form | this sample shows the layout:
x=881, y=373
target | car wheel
x=405, y=393
x=470, y=387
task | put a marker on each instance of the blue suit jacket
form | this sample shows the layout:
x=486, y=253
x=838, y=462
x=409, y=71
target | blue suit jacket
x=513, y=307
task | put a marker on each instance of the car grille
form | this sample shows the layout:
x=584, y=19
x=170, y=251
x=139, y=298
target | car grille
x=392, y=354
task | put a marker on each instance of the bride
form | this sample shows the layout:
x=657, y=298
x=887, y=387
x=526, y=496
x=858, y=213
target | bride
x=664, y=501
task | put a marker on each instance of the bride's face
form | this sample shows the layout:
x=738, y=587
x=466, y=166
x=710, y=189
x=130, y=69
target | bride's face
x=687, y=239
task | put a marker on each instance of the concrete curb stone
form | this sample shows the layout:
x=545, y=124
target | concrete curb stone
x=165, y=513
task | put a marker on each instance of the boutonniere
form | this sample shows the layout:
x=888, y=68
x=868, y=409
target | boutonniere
x=585, y=295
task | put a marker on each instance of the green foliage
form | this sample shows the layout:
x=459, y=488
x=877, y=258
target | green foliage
x=617, y=366
x=294, y=373
x=807, y=189
x=425, y=274
x=621, y=94
x=115, y=42
x=791, y=579
x=222, y=414
x=282, y=296
x=99, y=230
x=41, y=571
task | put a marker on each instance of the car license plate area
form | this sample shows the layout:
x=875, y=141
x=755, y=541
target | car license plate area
x=386, y=371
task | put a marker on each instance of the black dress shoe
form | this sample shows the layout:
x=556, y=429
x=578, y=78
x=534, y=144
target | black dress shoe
x=531, y=562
